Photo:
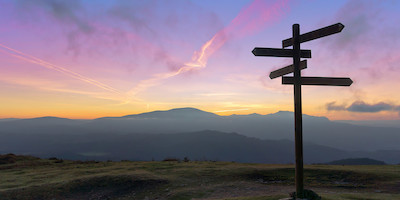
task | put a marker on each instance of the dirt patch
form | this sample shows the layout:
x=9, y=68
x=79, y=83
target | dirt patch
x=316, y=177
x=244, y=189
x=281, y=176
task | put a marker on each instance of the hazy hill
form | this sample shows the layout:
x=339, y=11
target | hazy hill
x=53, y=125
x=356, y=161
x=374, y=123
x=203, y=145
x=275, y=126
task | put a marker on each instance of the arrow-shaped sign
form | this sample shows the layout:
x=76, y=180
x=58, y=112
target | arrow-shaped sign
x=322, y=32
x=333, y=81
x=286, y=70
x=258, y=51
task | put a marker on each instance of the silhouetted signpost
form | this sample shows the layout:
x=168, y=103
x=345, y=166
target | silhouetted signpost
x=297, y=81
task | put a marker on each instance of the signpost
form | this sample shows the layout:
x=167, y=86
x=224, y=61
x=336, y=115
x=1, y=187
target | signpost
x=296, y=53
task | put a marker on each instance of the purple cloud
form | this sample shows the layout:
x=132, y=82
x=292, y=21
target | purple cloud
x=361, y=106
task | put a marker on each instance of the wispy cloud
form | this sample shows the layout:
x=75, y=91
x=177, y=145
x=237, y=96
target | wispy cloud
x=333, y=106
x=251, y=19
x=368, y=46
x=31, y=59
x=71, y=14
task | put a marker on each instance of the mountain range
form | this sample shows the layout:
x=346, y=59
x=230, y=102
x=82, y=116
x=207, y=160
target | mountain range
x=189, y=132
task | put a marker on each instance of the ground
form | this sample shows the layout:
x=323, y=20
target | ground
x=31, y=178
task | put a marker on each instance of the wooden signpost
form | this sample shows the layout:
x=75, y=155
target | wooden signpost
x=296, y=53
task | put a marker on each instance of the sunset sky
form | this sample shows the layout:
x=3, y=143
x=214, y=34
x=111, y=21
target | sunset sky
x=89, y=59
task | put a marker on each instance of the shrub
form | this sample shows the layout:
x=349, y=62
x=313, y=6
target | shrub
x=8, y=158
x=171, y=159
x=186, y=159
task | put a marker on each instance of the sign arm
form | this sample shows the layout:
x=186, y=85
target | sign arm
x=312, y=35
x=287, y=70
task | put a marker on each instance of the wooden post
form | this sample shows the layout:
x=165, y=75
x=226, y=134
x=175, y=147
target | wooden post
x=298, y=128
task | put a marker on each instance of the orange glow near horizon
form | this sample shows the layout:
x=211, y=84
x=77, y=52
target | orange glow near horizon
x=93, y=113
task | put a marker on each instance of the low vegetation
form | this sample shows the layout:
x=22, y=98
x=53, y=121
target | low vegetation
x=26, y=177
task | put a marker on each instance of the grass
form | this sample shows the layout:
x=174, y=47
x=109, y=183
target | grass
x=48, y=179
x=360, y=196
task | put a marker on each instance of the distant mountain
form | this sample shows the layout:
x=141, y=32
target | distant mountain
x=277, y=126
x=42, y=121
x=373, y=123
x=8, y=119
x=46, y=121
x=356, y=161
x=42, y=125
x=191, y=113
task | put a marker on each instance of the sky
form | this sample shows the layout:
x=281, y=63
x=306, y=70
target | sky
x=90, y=59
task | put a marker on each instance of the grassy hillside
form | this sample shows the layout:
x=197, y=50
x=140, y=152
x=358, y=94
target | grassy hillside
x=32, y=178
x=356, y=161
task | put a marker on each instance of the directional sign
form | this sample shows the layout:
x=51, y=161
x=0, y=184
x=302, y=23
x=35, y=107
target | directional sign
x=318, y=81
x=322, y=32
x=287, y=70
x=258, y=51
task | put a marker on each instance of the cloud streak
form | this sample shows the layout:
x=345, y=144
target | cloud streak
x=251, y=19
x=31, y=59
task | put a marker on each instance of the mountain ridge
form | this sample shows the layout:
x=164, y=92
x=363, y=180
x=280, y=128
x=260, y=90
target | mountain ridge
x=183, y=110
x=276, y=126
